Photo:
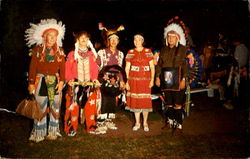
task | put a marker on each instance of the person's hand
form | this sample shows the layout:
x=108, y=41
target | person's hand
x=182, y=84
x=31, y=88
x=127, y=86
x=59, y=86
x=151, y=83
x=122, y=84
x=157, y=81
x=96, y=83
x=71, y=82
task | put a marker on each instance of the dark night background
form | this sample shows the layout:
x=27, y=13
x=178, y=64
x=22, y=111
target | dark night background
x=204, y=18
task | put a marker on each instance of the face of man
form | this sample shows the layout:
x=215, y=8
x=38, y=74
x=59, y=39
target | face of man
x=113, y=42
x=51, y=38
x=171, y=40
x=138, y=42
x=83, y=41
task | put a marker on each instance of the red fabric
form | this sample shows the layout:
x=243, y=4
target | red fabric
x=90, y=112
x=69, y=114
x=39, y=65
x=139, y=95
x=71, y=66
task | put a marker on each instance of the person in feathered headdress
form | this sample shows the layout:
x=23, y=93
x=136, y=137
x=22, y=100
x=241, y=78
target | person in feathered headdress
x=46, y=74
x=80, y=67
x=110, y=56
x=171, y=72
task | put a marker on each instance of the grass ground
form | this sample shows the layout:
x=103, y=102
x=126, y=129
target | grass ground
x=210, y=131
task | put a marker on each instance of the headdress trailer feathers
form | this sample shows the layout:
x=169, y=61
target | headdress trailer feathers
x=34, y=35
x=110, y=32
x=178, y=27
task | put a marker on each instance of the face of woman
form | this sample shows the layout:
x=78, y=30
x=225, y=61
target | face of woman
x=51, y=38
x=138, y=42
x=171, y=40
x=83, y=41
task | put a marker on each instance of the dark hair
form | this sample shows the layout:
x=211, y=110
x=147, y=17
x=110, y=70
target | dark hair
x=79, y=34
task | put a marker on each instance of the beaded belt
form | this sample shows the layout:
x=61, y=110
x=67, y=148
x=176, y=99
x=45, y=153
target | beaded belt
x=137, y=68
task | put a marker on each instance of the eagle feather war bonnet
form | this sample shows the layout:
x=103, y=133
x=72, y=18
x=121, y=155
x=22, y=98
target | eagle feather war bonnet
x=34, y=35
x=175, y=27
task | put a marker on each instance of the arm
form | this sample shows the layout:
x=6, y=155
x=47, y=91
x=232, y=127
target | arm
x=62, y=75
x=32, y=72
x=236, y=54
x=152, y=68
x=184, y=70
x=93, y=68
x=127, y=68
x=99, y=58
x=94, y=71
x=33, y=67
x=62, y=69
x=70, y=67
x=122, y=57
x=158, y=72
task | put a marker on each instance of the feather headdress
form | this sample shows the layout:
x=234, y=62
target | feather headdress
x=110, y=32
x=34, y=35
x=174, y=25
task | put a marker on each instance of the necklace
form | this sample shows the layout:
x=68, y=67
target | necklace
x=83, y=50
x=49, y=55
